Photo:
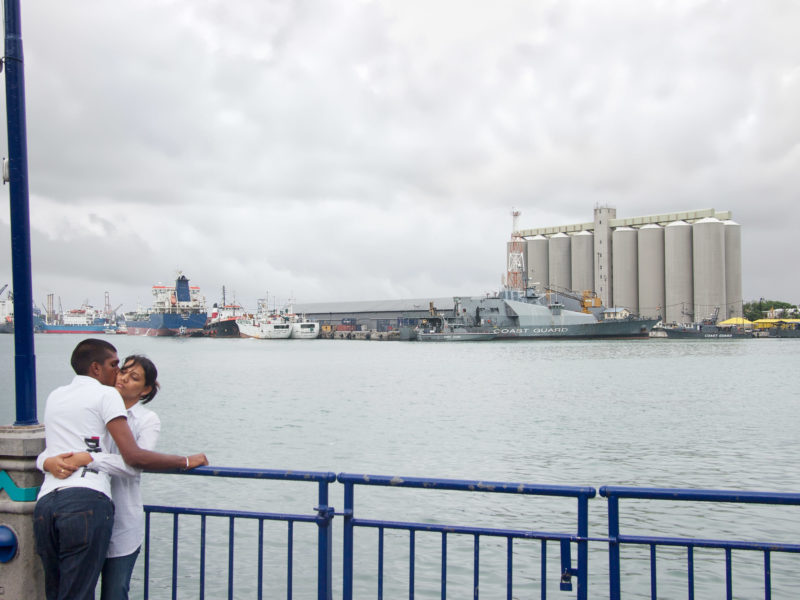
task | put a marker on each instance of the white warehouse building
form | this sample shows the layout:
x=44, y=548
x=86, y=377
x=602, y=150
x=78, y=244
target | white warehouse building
x=681, y=267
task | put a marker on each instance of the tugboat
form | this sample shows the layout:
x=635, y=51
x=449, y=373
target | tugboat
x=223, y=320
x=177, y=310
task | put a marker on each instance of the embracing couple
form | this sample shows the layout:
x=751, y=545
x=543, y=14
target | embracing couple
x=99, y=436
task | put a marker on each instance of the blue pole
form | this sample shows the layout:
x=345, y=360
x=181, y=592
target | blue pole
x=347, y=544
x=24, y=359
x=615, y=590
x=324, y=544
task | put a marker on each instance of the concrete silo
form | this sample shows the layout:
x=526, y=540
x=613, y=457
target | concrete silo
x=624, y=268
x=708, y=262
x=582, y=261
x=559, y=262
x=538, y=271
x=651, y=271
x=733, y=269
x=678, y=269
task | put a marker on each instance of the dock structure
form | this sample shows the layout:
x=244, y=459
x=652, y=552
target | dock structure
x=337, y=319
x=680, y=266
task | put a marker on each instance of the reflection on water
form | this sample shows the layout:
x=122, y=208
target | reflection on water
x=665, y=413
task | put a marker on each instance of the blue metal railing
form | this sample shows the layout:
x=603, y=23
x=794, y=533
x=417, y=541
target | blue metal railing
x=615, y=493
x=578, y=536
x=323, y=518
x=567, y=571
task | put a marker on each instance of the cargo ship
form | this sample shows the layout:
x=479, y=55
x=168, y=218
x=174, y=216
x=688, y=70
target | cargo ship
x=177, y=310
x=517, y=315
x=84, y=320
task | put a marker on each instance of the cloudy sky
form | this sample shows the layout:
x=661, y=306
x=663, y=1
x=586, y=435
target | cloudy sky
x=374, y=149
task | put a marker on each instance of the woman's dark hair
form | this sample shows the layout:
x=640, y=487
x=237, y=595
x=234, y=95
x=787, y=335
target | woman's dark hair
x=150, y=374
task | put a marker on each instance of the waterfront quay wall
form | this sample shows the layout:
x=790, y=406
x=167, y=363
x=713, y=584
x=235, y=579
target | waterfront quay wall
x=368, y=334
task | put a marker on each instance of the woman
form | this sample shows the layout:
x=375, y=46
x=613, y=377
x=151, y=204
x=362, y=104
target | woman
x=137, y=384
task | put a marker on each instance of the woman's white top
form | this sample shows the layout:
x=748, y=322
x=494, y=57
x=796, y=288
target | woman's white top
x=128, y=530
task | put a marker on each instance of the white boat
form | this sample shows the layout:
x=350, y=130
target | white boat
x=264, y=325
x=264, y=328
x=303, y=329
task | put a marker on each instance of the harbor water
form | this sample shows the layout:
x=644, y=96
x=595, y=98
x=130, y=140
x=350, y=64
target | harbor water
x=664, y=413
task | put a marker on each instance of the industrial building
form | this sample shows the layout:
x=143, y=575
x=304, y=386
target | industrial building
x=374, y=315
x=681, y=267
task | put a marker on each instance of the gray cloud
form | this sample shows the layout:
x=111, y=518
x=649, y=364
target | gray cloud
x=374, y=149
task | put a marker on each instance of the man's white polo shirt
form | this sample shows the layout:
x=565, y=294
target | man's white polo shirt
x=75, y=418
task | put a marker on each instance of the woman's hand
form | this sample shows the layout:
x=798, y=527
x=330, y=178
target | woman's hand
x=79, y=459
x=197, y=460
x=64, y=465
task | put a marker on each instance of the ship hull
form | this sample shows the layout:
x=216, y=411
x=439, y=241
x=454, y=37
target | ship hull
x=222, y=329
x=80, y=329
x=265, y=331
x=168, y=325
x=466, y=336
x=692, y=334
x=633, y=329
x=304, y=331
x=637, y=329
x=785, y=333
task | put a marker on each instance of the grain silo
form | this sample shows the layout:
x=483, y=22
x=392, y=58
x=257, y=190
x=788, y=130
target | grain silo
x=624, y=268
x=708, y=263
x=538, y=271
x=733, y=269
x=678, y=279
x=651, y=271
x=700, y=269
x=582, y=252
x=559, y=263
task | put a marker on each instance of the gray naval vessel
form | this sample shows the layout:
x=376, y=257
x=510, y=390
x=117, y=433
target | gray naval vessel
x=515, y=315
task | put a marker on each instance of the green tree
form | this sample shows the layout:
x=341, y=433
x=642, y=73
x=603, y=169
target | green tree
x=757, y=309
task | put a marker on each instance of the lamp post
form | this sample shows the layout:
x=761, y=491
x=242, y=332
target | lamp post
x=17, y=168
x=22, y=442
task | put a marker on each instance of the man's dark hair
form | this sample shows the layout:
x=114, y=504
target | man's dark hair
x=89, y=351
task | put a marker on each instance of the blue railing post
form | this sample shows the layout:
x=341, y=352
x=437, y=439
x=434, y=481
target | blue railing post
x=613, y=547
x=583, y=547
x=24, y=359
x=324, y=544
x=347, y=544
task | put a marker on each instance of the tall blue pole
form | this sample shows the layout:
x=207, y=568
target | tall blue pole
x=24, y=359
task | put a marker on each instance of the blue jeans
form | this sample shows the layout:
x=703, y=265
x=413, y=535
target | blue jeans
x=72, y=527
x=116, y=579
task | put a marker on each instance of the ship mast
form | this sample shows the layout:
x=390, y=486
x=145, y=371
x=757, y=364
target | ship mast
x=515, y=279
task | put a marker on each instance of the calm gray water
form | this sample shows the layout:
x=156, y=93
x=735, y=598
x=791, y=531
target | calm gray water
x=666, y=413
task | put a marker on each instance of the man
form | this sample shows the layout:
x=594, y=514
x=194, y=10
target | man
x=74, y=516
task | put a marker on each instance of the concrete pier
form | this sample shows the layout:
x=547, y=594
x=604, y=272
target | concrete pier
x=372, y=335
x=21, y=574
